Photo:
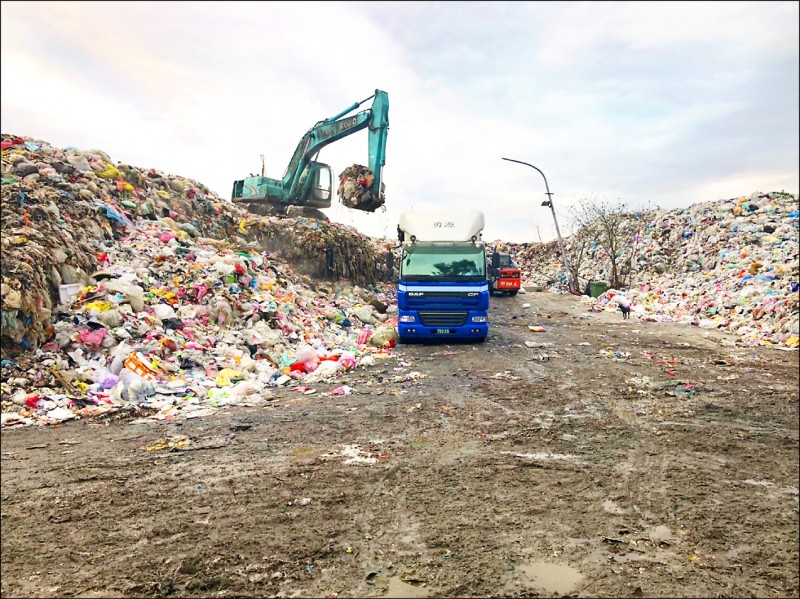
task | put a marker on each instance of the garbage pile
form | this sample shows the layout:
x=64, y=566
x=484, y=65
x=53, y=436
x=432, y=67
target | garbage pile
x=61, y=208
x=177, y=325
x=125, y=288
x=730, y=264
x=355, y=189
x=540, y=264
x=320, y=249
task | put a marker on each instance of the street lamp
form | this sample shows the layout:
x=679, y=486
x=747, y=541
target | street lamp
x=549, y=203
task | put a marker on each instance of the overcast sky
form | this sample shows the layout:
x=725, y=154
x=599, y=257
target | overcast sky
x=650, y=104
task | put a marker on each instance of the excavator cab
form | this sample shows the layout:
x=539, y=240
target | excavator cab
x=317, y=192
x=260, y=192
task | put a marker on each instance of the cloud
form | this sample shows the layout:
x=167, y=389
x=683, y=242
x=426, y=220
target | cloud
x=660, y=102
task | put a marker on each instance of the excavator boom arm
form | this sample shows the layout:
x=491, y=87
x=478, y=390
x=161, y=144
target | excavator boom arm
x=378, y=131
x=336, y=128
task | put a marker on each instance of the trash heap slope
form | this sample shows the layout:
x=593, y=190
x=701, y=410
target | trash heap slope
x=728, y=264
x=61, y=208
x=130, y=290
x=178, y=326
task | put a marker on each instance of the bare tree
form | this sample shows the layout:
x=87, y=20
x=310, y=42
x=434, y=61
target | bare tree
x=613, y=229
x=579, y=243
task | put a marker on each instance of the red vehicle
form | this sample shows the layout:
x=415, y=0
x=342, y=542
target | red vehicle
x=504, y=274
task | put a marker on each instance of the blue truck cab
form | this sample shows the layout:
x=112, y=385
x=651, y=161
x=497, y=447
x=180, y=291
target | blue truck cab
x=442, y=290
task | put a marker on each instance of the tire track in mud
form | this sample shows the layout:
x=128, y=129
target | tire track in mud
x=481, y=405
x=410, y=528
x=643, y=481
x=433, y=532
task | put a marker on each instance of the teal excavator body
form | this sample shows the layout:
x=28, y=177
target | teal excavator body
x=309, y=184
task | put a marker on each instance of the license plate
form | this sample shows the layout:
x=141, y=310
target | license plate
x=442, y=331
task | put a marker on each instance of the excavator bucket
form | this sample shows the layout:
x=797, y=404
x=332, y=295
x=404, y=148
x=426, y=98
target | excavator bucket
x=356, y=185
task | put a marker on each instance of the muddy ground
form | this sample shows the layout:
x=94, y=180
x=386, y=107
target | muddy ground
x=609, y=459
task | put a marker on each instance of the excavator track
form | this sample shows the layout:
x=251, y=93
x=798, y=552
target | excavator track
x=295, y=211
x=266, y=208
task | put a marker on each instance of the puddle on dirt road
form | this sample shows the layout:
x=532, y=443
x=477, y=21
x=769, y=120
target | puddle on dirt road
x=635, y=556
x=552, y=578
x=306, y=452
x=662, y=534
x=541, y=455
x=612, y=507
x=626, y=414
x=736, y=552
x=402, y=590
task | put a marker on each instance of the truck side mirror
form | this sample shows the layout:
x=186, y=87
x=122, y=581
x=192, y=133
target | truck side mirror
x=495, y=260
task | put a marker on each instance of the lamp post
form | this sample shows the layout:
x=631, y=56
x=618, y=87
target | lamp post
x=549, y=203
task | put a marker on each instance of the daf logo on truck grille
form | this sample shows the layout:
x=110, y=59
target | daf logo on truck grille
x=416, y=293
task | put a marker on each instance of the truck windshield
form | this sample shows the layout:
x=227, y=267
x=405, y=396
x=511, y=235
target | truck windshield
x=465, y=263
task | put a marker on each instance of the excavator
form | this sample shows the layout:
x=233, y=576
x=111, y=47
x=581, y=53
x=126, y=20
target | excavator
x=307, y=185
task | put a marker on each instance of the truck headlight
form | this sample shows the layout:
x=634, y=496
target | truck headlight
x=408, y=318
x=480, y=318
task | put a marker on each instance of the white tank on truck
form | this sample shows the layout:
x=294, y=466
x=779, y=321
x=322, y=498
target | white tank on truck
x=441, y=226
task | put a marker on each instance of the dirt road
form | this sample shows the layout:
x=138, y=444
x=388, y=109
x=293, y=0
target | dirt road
x=598, y=458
